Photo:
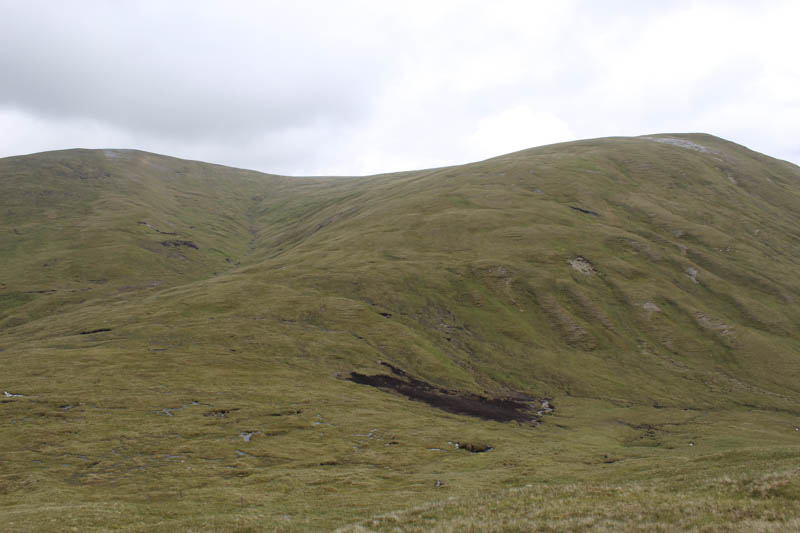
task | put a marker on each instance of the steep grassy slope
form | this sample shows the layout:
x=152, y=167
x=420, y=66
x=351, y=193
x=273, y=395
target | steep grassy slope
x=176, y=339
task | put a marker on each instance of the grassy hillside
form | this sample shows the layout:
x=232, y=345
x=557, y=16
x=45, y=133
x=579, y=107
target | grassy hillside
x=187, y=346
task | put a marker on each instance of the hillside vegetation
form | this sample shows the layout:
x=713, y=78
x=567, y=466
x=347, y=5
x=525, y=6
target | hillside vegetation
x=596, y=335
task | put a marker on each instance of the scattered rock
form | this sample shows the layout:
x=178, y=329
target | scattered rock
x=221, y=413
x=692, y=272
x=547, y=407
x=168, y=411
x=246, y=435
x=582, y=265
x=683, y=143
x=650, y=307
x=714, y=324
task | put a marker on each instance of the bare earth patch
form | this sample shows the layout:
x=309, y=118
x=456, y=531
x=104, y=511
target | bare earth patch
x=457, y=402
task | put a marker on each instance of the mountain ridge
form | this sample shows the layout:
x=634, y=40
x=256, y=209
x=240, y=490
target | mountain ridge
x=643, y=287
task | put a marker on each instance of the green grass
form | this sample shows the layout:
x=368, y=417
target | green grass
x=282, y=298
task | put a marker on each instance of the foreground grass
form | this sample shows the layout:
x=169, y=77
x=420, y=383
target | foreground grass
x=324, y=459
x=747, y=502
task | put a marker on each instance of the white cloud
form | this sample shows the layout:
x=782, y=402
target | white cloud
x=516, y=129
x=25, y=133
x=354, y=87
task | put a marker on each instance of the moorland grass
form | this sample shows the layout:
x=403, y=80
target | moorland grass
x=672, y=359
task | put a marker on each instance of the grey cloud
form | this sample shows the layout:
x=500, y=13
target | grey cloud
x=359, y=86
x=182, y=72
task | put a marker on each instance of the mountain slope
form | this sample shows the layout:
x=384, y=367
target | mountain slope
x=184, y=337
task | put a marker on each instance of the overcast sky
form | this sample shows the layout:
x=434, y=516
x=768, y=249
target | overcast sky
x=349, y=87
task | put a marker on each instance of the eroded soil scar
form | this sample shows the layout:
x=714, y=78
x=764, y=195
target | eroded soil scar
x=475, y=448
x=143, y=223
x=178, y=244
x=92, y=331
x=457, y=402
x=584, y=211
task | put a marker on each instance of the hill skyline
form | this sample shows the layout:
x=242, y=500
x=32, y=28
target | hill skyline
x=394, y=171
x=187, y=345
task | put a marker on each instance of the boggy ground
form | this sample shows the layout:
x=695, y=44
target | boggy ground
x=499, y=409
